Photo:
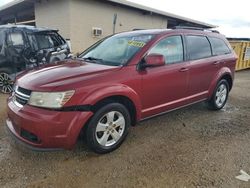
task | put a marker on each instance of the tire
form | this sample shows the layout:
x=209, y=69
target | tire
x=6, y=83
x=103, y=135
x=220, y=95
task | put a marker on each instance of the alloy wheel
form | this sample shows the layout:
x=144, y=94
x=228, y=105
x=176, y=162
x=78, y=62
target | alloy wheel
x=221, y=95
x=110, y=128
x=6, y=83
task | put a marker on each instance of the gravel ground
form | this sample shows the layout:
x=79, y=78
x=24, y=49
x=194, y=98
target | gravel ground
x=191, y=147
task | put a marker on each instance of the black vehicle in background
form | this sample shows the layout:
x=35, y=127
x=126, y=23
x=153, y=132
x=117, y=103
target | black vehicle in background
x=25, y=47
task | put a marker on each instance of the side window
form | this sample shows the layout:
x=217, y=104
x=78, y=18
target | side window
x=62, y=41
x=219, y=46
x=16, y=39
x=57, y=40
x=44, y=41
x=171, y=48
x=198, y=47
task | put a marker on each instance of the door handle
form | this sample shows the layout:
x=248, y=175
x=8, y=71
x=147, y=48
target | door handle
x=216, y=62
x=184, y=69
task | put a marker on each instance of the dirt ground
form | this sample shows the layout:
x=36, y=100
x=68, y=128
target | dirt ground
x=191, y=147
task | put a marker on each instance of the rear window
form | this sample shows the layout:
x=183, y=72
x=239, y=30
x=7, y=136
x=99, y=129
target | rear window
x=198, y=47
x=219, y=47
x=45, y=40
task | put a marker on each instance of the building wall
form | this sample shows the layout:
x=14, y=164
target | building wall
x=54, y=14
x=76, y=18
x=89, y=13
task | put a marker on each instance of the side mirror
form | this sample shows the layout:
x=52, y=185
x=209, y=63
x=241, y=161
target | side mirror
x=154, y=60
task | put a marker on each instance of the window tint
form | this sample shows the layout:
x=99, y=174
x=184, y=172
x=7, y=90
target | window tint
x=198, y=47
x=171, y=48
x=45, y=40
x=57, y=40
x=219, y=46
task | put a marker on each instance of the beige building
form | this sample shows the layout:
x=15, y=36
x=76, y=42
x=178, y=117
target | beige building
x=84, y=22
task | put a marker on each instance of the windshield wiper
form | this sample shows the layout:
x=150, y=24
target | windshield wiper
x=92, y=59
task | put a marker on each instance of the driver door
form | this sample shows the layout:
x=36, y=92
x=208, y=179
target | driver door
x=165, y=87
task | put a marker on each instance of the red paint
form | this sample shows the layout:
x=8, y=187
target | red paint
x=152, y=90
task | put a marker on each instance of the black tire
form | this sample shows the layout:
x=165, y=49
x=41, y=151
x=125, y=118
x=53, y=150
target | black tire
x=218, y=99
x=93, y=137
x=6, y=83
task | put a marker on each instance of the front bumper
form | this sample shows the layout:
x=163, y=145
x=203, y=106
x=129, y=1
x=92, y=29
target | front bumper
x=45, y=129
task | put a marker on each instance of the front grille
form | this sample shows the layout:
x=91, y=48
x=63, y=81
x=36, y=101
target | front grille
x=21, y=96
x=24, y=91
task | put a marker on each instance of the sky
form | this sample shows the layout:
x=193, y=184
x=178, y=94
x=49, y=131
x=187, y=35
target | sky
x=231, y=17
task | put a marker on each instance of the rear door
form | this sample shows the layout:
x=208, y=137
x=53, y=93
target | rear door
x=203, y=66
x=222, y=52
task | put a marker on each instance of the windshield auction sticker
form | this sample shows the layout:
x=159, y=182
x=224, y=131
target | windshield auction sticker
x=136, y=43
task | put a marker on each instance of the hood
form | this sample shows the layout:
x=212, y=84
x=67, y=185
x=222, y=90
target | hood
x=67, y=74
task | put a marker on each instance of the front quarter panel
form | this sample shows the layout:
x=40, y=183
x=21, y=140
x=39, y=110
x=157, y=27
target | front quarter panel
x=113, y=90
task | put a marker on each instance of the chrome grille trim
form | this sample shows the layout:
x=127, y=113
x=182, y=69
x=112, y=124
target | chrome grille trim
x=21, y=94
x=19, y=98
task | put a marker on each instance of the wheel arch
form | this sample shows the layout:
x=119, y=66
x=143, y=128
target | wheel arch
x=223, y=74
x=117, y=93
x=229, y=80
x=124, y=100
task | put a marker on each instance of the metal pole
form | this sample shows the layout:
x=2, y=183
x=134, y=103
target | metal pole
x=114, y=22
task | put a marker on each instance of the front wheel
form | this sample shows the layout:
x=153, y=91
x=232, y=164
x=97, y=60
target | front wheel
x=220, y=95
x=108, y=128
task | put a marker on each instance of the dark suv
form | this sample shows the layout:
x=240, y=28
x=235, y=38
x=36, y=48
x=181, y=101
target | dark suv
x=117, y=82
x=25, y=47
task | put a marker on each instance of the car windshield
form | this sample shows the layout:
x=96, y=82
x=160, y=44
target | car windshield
x=45, y=40
x=116, y=50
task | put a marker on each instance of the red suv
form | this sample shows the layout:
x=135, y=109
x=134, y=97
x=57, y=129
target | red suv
x=117, y=82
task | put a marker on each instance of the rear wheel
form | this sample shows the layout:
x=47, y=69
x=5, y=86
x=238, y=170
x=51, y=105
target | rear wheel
x=220, y=95
x=6, y=83
x=108, y=128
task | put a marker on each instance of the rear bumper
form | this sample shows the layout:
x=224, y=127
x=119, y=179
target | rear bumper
x=44, y=130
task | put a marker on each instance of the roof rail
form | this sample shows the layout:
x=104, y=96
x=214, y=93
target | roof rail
x=195, y=28
x=188, y=27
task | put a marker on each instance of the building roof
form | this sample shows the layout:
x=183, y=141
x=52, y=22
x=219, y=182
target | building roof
x=10, y=4
x=173, y=18
x=17, y=11
x=163, y=13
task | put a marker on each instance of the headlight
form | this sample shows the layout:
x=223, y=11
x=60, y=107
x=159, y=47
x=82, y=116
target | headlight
x=50, y=99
